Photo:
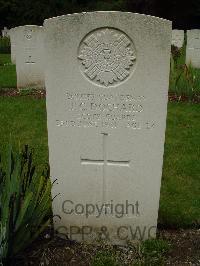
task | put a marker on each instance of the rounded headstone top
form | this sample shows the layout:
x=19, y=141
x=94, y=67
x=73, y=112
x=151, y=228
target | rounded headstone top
x=101, y=13
x=25, y=26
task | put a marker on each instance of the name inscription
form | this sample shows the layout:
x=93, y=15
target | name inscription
x=89, y=110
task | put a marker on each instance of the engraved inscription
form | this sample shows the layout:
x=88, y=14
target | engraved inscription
x=107, y=56
x=91, y=110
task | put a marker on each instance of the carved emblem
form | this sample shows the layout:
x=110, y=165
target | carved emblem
x=107, y=56
x=28, y=34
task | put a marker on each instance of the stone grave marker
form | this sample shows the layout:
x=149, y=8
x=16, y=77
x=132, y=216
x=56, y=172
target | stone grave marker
x=13, y=36
x=193, y=48
x=29, y=50
x=5, y=32
x=178, y=38
x=106, y=77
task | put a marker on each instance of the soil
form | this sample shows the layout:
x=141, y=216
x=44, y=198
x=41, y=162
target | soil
x=13, y=92
x=184, y=250
x=183, y=98
x=185, y=247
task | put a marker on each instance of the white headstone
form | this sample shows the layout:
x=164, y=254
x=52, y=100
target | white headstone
x=5, y=32
x=107, y=79
x=193, y=48
x=13, y=37
x=29, y=51
x=178, y=38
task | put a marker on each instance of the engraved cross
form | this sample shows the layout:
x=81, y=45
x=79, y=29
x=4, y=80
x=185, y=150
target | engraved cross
x=105, y=162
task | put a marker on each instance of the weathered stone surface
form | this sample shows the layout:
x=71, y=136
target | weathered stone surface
x=29, y=54
x=193, y=48
x=107, y=81
x=178, y=38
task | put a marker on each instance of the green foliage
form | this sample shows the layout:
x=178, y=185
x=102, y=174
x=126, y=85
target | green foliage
x=180, y=190
x=25, y=203
x=107, y=258
x=25, y=119
x=5, y=59
x=184, y=80
x=153, y=251
x=8, y=77
x=4, y=45
x=149, y=252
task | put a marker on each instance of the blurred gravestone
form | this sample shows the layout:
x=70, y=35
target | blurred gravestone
x=13, y=36
x=5, y=32
x=107, y=77
x=178, y=38
x=193, y=48
x=29, y=54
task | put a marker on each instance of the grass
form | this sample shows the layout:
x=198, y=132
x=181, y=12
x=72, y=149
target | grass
x=153, y=251
x=150, y=252
x=180, y=192
x=108, y=258
x=8, y=77
x=23, y=120
x=5, y=45
x=5, y=59
x=184, y=80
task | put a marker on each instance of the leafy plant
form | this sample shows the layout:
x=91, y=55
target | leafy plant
x=184, y=80
x=25, y=203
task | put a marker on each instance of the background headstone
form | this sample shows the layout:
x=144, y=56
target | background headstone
x=29, y=51
x=5, y=32
x=178, y=38
x=13, y=37
x=193, y=48
x=107, y=77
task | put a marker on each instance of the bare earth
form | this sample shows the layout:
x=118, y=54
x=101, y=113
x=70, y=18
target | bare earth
x=185, y=250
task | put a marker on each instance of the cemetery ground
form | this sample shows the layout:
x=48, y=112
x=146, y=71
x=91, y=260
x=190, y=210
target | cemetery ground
x=7, y=72
x=23, y=121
